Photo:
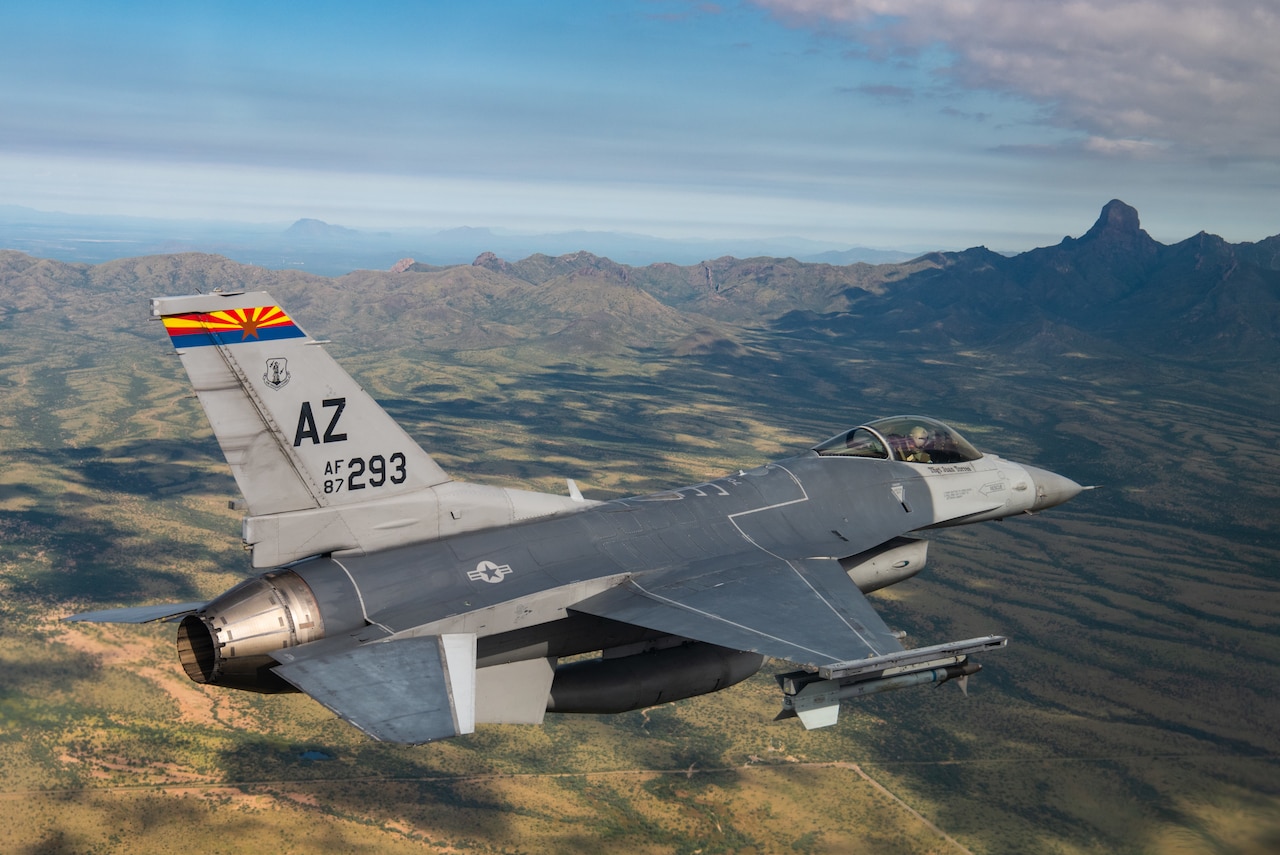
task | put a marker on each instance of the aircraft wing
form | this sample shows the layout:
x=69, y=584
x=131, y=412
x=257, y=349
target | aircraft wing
x=137, y=614
x=806, y=611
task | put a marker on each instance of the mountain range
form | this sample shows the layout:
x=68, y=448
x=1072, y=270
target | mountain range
x=1115, y=286
x=332, y=250
x=1112, y=291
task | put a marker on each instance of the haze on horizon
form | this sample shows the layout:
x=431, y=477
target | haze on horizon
x=914, y=124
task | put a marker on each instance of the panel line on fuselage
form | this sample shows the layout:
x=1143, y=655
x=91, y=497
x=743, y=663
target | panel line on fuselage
x=359, y=596
x=804, y=497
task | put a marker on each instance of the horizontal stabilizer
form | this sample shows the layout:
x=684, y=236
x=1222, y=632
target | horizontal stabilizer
x=137, y=614
x=411, y=690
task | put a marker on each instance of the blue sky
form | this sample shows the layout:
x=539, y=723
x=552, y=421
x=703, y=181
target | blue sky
x=913, y=124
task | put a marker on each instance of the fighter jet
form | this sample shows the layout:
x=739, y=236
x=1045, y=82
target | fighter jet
x=416, y=606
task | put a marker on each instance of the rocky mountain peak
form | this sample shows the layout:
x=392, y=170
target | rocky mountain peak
x=1117, y=220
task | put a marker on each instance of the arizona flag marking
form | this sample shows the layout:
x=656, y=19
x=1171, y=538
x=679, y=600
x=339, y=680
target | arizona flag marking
x=232, y=326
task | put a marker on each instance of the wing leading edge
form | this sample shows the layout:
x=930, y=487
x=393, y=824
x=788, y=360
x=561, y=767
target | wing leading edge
x=137, y=614
x=806, y=611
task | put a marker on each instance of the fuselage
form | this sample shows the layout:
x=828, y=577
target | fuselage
x=514, y=587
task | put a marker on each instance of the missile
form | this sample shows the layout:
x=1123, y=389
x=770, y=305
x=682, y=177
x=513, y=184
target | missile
x=816, y=701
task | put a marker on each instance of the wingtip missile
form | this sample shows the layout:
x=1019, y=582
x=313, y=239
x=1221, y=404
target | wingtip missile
x=960, y=673
x=816, y=701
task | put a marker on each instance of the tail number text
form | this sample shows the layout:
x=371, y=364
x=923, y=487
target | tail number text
x=360, y=472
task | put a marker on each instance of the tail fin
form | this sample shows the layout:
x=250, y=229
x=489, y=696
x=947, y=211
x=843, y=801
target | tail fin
x=297, y=430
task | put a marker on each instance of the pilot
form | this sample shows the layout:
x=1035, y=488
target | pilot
x=915, y=450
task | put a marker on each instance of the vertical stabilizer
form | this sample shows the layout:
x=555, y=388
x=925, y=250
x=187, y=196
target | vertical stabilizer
x=297, y=430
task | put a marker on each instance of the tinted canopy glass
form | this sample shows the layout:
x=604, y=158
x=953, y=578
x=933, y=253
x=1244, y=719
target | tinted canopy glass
x=911, y=439
x=858, y=442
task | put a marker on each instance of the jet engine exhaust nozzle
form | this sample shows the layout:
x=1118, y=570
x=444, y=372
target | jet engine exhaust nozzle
x=229, y=641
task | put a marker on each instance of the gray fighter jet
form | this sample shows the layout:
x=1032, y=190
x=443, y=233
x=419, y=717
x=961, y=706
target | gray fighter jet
x=415, y=606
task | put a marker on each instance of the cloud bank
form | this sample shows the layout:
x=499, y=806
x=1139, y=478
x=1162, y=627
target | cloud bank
x=1182, y=78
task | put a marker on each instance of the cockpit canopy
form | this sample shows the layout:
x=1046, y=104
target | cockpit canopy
x=911, y=439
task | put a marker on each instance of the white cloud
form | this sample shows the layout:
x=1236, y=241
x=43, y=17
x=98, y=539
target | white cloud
x=1198, y=77
x=1124, y=148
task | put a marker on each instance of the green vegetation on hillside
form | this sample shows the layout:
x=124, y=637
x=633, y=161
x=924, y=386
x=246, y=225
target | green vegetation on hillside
x=1134, y=711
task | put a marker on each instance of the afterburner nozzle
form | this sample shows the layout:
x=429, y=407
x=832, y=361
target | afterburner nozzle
x=1051, y=488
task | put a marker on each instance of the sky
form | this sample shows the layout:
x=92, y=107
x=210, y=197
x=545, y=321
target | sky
x=897, y=124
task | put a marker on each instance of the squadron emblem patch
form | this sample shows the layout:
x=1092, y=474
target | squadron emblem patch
x=277, y=376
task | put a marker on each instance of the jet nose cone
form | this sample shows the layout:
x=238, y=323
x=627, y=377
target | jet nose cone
x=1051, y=488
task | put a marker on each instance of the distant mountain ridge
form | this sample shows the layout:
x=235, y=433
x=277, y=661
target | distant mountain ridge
x=1114, y=286
x=331, y=250
x=1202, y=296
x=309, y=229
x=1112, y=291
